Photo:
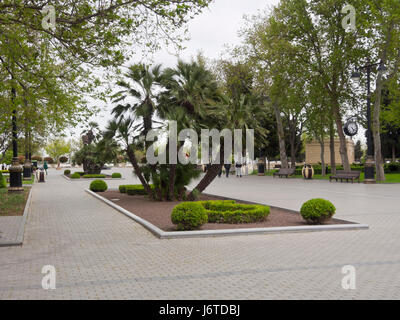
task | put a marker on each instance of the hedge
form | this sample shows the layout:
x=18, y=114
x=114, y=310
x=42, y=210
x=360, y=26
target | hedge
x=116, y=175
x=317, y=211
x=92, y=176
x=67, y=172
x=135, y=189
x=392, y=167
x=225, y=211
x=228, y=211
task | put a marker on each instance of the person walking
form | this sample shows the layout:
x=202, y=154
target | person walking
x=227, y=169
x=238, y=168
x=45, y=167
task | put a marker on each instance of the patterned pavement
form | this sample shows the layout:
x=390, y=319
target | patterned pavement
x=99, y=253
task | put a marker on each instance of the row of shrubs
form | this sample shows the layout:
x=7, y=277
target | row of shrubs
x=392, y=167
x=134, y=189
x=192, y=215
x=78, y=175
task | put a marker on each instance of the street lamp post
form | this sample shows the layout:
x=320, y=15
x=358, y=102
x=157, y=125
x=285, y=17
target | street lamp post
x=15, y=169
x=369, y=170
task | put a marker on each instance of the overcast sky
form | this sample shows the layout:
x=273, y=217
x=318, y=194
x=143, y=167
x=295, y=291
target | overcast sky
x=216, y=27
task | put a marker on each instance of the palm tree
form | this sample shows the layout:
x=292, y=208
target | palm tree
x=123, y=131
x=145, y=84
x=191, y=92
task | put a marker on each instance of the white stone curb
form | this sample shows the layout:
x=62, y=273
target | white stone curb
x=227, y=232
x=20, y=236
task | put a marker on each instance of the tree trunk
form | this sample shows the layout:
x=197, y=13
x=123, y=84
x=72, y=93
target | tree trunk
x=342, y=137
x=210, y=175
x=332, y=147
x=393, y=153
x=380, y=173
x=322, y=144
x=281, y=137
x=292, y=151
x=138, y=172
x=171, y=188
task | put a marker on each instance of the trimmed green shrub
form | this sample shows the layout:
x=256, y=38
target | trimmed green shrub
x=189, y=216
x=3, y=181
x=67, y=172
x=116, y=175
x=134, y=190
x=392, y=167
x=93, y=176
x=4, y=171
x=317, y=211
x=75, y=175
x=228, y=211
x=98, y=186
x=81, y=173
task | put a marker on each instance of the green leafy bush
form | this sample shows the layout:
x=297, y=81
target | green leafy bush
x=93, y=176
x=67, y=172
x=98, y=186
x=228, y=211
x=392, y=167
x=189, y=216
x=134, y=190
x=75, y=175
x=3, y=182
x=116, y=175
x=317, y=211
x=122, y=188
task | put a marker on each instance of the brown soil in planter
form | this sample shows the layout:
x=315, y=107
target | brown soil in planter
x=107, y=176
x=159, y=213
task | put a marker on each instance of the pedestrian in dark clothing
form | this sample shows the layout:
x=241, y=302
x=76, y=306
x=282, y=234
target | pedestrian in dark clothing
x=227, y=169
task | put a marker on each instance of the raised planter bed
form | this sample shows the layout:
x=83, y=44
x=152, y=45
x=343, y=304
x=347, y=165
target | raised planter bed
x=156, y=216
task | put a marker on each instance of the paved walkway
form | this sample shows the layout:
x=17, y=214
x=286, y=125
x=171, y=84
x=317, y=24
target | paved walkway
x=101, y=254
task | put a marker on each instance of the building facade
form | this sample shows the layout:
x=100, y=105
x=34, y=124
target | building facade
x=313, y=152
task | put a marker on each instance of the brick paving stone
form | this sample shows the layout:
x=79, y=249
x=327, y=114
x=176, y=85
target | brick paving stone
x=101, y=254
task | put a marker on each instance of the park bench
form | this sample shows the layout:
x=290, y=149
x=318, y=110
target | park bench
x=346, y=175
x=284, y=172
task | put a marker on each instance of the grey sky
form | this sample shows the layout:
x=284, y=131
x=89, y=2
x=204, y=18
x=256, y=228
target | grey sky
x=216, y=27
